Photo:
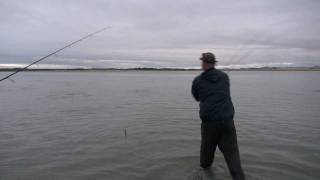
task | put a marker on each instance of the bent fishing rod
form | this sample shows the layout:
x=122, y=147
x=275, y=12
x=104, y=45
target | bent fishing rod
x=55, y=52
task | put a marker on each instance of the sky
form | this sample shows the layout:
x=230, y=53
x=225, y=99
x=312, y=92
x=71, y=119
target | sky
x=166, y=33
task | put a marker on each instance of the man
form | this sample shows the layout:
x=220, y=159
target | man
x=212, y=89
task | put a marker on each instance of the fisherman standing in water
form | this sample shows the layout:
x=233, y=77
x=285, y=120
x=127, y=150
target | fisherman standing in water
x=212, y=89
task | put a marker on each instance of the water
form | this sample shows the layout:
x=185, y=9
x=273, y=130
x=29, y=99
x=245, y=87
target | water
x=70, y=125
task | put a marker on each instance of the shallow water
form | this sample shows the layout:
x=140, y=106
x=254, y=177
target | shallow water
x=71, y=125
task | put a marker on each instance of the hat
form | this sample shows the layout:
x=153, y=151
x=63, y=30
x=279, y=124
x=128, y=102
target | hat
x=208, y=58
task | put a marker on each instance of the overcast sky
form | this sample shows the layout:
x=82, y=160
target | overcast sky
x=162, y=33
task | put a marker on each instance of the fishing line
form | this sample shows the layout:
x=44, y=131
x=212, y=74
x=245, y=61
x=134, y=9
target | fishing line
x=236, y=57
x=239, y=50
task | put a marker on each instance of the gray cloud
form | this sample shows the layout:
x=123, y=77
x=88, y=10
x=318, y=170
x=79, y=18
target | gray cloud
x=162, y=33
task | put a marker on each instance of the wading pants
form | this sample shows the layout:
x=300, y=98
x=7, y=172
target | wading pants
x=223, y=134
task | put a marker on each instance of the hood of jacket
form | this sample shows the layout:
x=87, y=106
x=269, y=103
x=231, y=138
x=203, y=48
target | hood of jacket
x=212, y=75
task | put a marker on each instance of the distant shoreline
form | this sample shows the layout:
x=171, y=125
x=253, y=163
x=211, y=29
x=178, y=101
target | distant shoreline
x=314, y=68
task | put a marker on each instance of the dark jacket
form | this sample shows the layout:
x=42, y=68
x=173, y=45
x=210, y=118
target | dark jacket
x=212, y=89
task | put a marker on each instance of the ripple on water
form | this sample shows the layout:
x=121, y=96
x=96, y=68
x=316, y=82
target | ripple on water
x=53, y=127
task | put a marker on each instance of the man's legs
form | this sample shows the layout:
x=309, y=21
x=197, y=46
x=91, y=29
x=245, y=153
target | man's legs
x=209, y=140
x=229, y=147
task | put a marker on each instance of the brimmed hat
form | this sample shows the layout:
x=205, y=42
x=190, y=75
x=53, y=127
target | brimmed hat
x=208, y=58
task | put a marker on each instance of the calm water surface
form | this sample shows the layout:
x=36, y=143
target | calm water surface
x=70, y=125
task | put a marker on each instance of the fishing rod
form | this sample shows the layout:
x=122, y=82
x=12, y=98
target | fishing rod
x=43, y=58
